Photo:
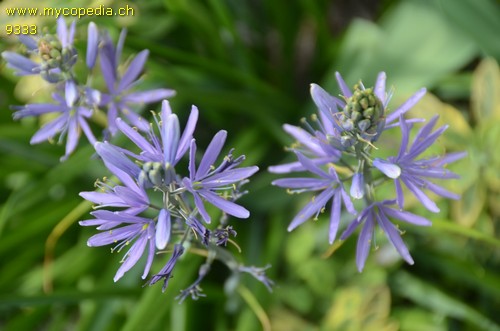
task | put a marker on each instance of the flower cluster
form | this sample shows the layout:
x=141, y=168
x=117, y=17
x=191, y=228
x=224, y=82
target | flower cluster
x=342, y=136
x=156, y=209
x=53, y=57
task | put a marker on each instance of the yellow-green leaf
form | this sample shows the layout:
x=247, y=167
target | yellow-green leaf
x=485, y=98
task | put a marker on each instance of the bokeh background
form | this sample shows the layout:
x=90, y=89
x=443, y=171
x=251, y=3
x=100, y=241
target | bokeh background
x=247, y=65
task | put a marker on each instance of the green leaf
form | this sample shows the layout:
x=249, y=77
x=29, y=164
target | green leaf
x=356, y=308
x=485, y=98
x=413, y=54
x=431, y=297
x=476, y=20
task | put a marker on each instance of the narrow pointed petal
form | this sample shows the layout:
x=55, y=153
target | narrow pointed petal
x=73, y=136
x=119, y=47
x=134, y=118
x=187, y=134
x=70, y=93
x=442, y=191
x=346, y=91
x=227, y=206
x=192, y=159
x=108, y=73
x=450, y=158
x=421, y=196
x=406, y=216
x=400, y=198
x=133, y=255
x=149, y=96
x=310, y=166
x=389, y=169
x=311, y=208
x=405, y=136
x=117, y=160
x=380, y=87
x=418, y=148
x=326, y=103
x=229, y=177
x=364, y=243
x=151, y=252
x=302, y=182
x=62, y=32
x=412, y=101
x=356, y=222
x=112, y=236
x=134, y=136
x=105, y=199
x=134, y=69
x=49, y=130
x=286, y=168
x=92, y=45
x=201, y=208
x=334, y=218
x=163, y=227
x=170, y=138
x=28, y=41
x=357, y=186
x=21, y=63
x=347, y=202
x=393, y=235
x=211, y=154
x=36, y=110
x=304, y=138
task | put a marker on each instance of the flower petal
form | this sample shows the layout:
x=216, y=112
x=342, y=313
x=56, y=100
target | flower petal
x=334, y=218
x=211, y=154
x=302, y=182
x=226, y=206
x=187, y=134
x=379, y=88
x=405, y=216
x=412, y=101
x=163, y=228
x=132, y=256
x=421, y=196
x=133, y=70
x=134, y=136
x=364, y=243
x=326, y=103
x=229, y=177
x=389, y=169
x=393, y=235
x=357, y=186
x=346, y=92
x=311, y=208
x=170, y=137
x=92, y=44
x=149, y=96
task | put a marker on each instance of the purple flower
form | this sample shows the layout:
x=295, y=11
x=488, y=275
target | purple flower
x=119, y=96
x=166, y=272
x=171, y=146
x=71, y=121
x=56, y=52
x=342, y=123
x=259, y=274
x=379, y=213
x=405, y=168
x=130, y=196
x=124, y=229
x=331, y=188
x=92, y=45
x=204, y=182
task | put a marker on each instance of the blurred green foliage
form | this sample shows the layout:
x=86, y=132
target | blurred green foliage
x=247, y=65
